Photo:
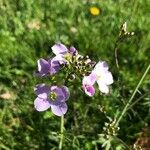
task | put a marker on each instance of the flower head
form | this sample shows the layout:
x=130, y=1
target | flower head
x=47, y=67
x=54, y=97
x=63, y=55
x=87, y=84
x=103, y=77
x=94, y=11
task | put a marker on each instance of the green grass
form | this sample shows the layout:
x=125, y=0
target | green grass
x=70, y=22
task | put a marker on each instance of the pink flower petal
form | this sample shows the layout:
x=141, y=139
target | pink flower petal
x=89, y=90
x=89, y=80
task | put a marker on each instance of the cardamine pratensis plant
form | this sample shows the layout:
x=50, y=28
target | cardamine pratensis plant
x=55, y=96
x=74, y=66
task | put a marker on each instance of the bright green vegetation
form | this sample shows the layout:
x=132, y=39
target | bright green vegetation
x=28, y=29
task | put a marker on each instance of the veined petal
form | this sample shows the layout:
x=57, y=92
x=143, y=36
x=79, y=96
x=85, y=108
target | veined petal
x=43, y=66
x=60, y=109
x=55, y=66
x=62, y=94
x=103, y=87
x=59, y=49
x=59, y=58
x=89, y=80
x=42, y=90
x=52, y=88
x=92, y=77
x=41, y=104
x=66, y=92
x=89, y=90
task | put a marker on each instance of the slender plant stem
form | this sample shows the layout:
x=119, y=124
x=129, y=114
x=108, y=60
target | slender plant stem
x=123, y=143
x=130, y=100
x=135, y=102
x=116, y=53
x=61, y=132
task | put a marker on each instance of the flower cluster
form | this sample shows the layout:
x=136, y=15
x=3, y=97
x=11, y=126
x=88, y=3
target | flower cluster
x=74, y=64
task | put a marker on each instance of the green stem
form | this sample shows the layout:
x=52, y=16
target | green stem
x=135, y=102
x=130, y=100
x=116, y=53
x=61, y=132
x=123, y=143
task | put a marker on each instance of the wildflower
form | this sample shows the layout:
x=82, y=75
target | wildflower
x=53, y=97
x=47, y=67
x=34, y=24
x=94, y=11
x=103, y=77
x=73, y=30
x=87, y=84
x=63, y=55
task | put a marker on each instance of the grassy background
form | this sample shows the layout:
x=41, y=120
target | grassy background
x=28, y=29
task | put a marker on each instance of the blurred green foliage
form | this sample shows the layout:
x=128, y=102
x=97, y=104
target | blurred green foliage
x=28, y=29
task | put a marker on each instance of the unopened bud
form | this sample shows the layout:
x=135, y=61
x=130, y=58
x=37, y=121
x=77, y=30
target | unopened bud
x=72, y=77
x=87, y=57
x=132, y=33
x=87, y=61
x=92, y=63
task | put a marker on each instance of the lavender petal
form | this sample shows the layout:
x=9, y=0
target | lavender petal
x=42, y=90
x=59, y=49
x=55, y=66
x=43, y=66
x=66, y=92
x=59, y=93
x=41, y=104
x=60, y=109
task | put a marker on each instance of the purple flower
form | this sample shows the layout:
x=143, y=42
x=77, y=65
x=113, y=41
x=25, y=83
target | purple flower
x=53, y=97
x=87, y=84
x=47, y=67
x=63, y=55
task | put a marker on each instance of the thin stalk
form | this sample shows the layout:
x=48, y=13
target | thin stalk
x=116, y=53
x=61, y=132
x=123, y=143
x=130, y=100
x=138, y=100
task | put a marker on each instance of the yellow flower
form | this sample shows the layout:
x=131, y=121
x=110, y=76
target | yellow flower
x=94, y=11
